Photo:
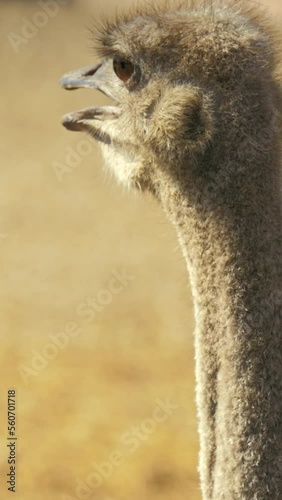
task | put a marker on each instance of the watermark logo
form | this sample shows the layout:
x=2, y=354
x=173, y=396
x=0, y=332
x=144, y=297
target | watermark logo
x=73, y=158
x=87, y=311
x=48, y=9
x=129, y=443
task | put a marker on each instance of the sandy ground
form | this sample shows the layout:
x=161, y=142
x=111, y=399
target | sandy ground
x=96, y=313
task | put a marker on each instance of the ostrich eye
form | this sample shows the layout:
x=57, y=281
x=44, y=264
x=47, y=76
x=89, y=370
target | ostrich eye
x=123, y=69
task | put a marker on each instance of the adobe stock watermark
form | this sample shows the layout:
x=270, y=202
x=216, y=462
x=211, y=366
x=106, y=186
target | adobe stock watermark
x=129, y=443
x=73, y=158
x=48, y=9
x=87, y=311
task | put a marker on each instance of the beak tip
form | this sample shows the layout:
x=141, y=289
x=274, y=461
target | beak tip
x=69, y=121
x=66, y=120
x=66, y=83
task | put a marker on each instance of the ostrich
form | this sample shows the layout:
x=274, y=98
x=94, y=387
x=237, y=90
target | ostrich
x=196, y=121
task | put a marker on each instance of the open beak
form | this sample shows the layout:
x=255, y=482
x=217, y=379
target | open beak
x=97, y=77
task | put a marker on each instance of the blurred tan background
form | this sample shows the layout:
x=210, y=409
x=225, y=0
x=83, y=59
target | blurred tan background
x=96, y=313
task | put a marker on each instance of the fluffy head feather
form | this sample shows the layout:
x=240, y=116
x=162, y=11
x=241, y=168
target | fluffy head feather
x=205, y=78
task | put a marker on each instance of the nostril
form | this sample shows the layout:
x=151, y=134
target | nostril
x=91, y=71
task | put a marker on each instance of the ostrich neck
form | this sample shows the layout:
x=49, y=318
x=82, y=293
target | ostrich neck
x=232, y=245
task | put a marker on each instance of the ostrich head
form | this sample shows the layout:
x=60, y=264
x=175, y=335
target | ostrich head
x=183, y=82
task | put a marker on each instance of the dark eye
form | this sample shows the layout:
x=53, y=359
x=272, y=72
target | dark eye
x=123, y=69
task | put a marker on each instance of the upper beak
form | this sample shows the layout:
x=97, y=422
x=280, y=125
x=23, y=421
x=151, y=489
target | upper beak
x=90, y=77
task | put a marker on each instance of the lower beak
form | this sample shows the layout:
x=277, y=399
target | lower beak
x=76, y=121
